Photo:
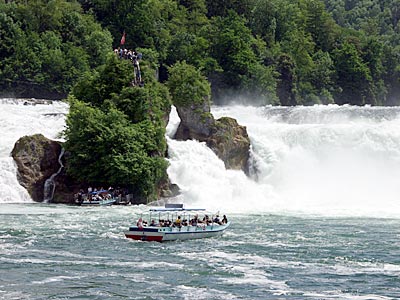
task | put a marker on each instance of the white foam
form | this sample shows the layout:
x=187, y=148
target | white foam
x=55, y=279
x=189, y=292
x=17, y=120
x=321, y=160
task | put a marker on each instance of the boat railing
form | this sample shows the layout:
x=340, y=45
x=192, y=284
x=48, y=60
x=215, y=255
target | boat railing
x=198, y=227
x=188, y=218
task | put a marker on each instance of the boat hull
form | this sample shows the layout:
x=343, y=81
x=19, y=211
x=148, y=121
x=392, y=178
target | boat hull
x=162, y=234
x=98, y=203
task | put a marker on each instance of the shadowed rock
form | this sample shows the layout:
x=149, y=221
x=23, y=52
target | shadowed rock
x=37, y=159
x=229, y=140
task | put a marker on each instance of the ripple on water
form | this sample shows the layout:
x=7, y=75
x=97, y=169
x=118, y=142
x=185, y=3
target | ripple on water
x=70, y=253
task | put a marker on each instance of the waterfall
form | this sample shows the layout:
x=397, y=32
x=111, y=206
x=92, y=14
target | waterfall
x=324, y=160
x=17, y=120
x=320, y=160
x=50, y=185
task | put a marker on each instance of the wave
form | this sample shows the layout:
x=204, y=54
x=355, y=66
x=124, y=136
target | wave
x=324, y=160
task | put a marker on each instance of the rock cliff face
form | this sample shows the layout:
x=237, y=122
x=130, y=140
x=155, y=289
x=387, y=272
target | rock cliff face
x=66, y=186
x=37, y=159
x=224, y=136
x=231, y=143
x=196, y=122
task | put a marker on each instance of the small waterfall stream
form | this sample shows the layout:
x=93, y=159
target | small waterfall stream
x=50, y=185
x=17, y=120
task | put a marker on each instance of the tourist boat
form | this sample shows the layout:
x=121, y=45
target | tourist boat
x=104, y=202
x=183, y=231
x=97, y=198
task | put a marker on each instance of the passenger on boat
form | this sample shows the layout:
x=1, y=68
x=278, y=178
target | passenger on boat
x=207, y=220
x=178, y=222
x=139, y=223
x=216, y=220
x=153, y=223
x=193, y=221
x=202, y=225
x=224, y=220
x=80, y=196
x=166, y=223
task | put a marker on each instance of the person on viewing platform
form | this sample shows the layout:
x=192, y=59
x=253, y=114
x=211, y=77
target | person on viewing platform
x=134, y=57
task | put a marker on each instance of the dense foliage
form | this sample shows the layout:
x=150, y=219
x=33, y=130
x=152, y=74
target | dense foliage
x=48, y=44
x=274, y=51
x=270, y=51
x=115, y=132
x=187, y=86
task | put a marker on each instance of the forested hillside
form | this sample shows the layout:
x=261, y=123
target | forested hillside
x=47, y=45
x=277, y=51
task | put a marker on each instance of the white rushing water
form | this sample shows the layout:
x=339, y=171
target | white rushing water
x=323, y=160
x=17, y=120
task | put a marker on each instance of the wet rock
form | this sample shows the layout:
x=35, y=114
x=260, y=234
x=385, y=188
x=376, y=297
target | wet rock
x=231, y=143
x=225, y=136
x=196, y=122
x=37, y=159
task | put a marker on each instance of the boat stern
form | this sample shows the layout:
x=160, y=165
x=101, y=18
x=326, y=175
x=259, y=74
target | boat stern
x=144, y=234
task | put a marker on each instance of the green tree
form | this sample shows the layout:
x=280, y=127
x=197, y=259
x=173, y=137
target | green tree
x=106, y=148
x=321, y=25
x=353, y=76
x=187, y=85
x=49, y=45
x=222, y=8
x=287, y=81
x=263, y=21
x=322, y=76
x=231, y=46
x=391, y=76
x=110, y=78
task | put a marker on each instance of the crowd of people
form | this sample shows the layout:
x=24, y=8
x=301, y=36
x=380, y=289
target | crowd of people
x=179, y=222
x=134, y=57
x=99, y=194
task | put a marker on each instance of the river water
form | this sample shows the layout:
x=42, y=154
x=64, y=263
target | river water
x=318, y=218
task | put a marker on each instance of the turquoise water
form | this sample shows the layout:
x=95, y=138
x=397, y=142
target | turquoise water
x=322, y=216
x=64, y=252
